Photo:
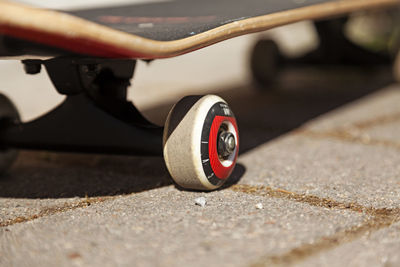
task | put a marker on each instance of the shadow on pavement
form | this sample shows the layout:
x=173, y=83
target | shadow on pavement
x=265, y=114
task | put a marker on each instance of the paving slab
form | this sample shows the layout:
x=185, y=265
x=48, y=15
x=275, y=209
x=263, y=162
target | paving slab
x=19, y=210
x=376, y=109
x=164, y=227
x=40, y=182
x=388, y=132
x=340, y=170
x=349, y=154
x=380, y=248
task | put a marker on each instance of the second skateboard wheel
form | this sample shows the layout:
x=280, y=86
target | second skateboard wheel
x=8, y=115
x=201, y=142
x=264, y=62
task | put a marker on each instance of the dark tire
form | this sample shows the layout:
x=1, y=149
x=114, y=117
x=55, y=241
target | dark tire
x=265, y=62
x=8, y=114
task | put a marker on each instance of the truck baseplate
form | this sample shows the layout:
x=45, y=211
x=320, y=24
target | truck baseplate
x=95, y=117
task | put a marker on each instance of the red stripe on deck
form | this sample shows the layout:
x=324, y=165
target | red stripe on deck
x=74, y=44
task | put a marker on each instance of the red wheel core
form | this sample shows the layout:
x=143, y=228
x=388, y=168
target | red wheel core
x=222, y=172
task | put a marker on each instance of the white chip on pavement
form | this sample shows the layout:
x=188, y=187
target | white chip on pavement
x=259, y=206
x=201, y=201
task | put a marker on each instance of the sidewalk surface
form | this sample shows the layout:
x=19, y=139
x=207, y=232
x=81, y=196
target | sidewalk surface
x=320, y=152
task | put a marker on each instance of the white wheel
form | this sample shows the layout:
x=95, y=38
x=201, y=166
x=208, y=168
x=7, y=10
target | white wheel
x=8, y=114
x=201, y=142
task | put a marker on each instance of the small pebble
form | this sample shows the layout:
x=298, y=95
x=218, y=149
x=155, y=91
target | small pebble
x=259, y=206
x=201, y=201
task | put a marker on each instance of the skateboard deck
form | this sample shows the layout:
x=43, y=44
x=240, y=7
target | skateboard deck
x=154, y=30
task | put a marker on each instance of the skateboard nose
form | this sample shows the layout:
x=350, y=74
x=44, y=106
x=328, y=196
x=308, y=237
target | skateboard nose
x=226, y=144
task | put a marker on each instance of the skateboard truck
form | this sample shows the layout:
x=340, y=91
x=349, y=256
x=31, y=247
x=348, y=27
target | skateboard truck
x=200, y=140
x=336, y=49
x=94, y=117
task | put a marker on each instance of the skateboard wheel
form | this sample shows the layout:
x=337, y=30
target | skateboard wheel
x=8, y=114
x=396, y=67
x=264, y=62
x=201, y=142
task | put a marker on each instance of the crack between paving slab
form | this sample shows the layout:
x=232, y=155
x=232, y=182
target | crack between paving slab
x=54, y=210
x=379, y=218
x=384, y=119
x=369, y=123
x=353, y=132
x=303, y=198
x=326, y=243
x=347, y=136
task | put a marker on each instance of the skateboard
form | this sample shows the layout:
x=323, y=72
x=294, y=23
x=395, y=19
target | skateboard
x=90, y=57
